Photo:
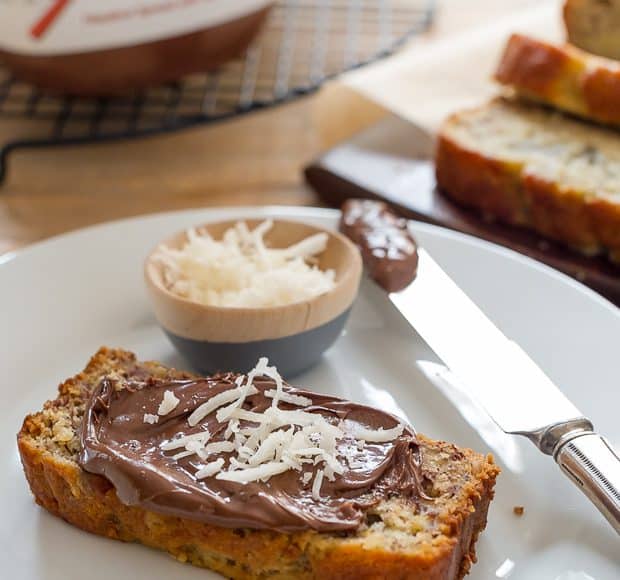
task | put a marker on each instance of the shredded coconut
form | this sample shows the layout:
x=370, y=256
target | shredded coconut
x=241, y=271
x=274, y=441
x=179, y=442
x=183, y=454
x=150, y=419
x=373, y=435
x=316, y=485
x=168, y=403
x=298, y=400
x=210, y=469
x=214, y=403
x=262, y=472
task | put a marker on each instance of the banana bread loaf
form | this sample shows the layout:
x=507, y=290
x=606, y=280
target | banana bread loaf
x=530, y=166
x=564, y=77
x=594, y=25
x=432, y=538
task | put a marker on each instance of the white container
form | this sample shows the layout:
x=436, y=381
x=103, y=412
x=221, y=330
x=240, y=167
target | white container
x=98, y=48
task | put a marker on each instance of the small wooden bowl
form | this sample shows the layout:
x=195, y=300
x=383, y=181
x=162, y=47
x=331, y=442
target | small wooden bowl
x=293, y=336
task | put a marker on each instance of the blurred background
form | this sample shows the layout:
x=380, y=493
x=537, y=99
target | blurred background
x=189, y=125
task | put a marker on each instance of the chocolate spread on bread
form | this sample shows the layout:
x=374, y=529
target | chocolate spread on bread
x=388, y=248
x=117, y=442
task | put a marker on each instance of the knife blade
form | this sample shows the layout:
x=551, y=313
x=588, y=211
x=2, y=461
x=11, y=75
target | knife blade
x=512, y=389
x=497, y=373
x=503, y=445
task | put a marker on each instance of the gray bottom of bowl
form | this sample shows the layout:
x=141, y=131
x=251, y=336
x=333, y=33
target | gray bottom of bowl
x=290, y=354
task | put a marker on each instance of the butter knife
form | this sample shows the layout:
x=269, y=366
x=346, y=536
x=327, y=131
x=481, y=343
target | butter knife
x=495, y=371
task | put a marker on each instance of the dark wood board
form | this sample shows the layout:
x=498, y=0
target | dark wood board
x=392, y=161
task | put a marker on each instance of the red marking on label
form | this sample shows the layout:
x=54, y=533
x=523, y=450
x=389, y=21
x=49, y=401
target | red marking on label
x=43, y=24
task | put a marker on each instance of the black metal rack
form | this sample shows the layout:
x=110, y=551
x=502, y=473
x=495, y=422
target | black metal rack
x=304, y=43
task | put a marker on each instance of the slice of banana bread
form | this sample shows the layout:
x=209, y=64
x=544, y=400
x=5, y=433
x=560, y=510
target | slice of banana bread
x=398, y=540
x=594, y=25
x=562, y=76
x=530, y=166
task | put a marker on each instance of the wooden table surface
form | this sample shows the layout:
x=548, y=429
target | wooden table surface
x=257, y=159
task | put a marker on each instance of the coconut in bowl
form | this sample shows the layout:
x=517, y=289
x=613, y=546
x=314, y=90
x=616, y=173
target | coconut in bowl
x=228, y=293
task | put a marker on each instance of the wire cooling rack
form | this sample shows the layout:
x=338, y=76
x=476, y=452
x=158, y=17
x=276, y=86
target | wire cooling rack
x=304, y=43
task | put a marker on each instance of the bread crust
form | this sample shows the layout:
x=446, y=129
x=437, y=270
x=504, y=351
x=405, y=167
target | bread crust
x=475, y=179
x=562, y=76
x=513, y=193
x=89, y=502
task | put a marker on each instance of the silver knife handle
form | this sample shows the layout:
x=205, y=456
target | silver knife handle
x=594, y=466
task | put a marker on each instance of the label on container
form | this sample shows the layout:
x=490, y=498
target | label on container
x=51, y=27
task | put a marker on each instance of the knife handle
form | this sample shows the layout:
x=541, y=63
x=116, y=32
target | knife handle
x=594, y=466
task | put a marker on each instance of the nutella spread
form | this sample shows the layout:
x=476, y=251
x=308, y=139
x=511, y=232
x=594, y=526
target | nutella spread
x=388, y=248
x=232, y=467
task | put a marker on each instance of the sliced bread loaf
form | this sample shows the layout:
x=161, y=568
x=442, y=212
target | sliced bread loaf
x=530, y=166
x=594, y=25
x=429, y=539
x=562, y=76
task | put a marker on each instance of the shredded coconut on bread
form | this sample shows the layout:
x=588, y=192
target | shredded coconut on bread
x=280, y=440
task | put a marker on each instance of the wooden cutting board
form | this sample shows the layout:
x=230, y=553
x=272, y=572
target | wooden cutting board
x=392, y=161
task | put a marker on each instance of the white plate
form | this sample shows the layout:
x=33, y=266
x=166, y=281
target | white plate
x=63, y=298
